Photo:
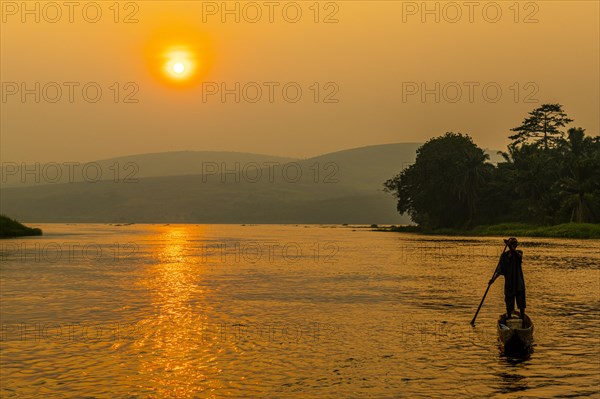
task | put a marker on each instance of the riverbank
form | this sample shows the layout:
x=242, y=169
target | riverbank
x=566, y=230
x=10, y=228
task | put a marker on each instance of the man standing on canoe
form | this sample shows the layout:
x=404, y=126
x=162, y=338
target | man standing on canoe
x=510, y=266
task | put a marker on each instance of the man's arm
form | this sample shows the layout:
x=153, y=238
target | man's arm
x=493, y=279
x=498, y=272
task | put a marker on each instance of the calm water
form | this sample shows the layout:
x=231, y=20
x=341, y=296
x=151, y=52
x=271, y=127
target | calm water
x=211, y=311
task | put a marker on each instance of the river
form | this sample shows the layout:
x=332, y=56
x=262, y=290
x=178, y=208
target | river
x=287, y=311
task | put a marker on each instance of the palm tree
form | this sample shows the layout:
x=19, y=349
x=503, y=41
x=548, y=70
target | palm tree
x=582, y=171
x=533, y=172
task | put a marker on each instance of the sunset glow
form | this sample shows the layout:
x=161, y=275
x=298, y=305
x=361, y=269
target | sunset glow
x=178, y=55
x=299, y=199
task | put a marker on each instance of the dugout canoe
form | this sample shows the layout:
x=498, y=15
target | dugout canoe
x=515, y=338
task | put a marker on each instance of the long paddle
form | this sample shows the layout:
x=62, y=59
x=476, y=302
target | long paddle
x=486, y=291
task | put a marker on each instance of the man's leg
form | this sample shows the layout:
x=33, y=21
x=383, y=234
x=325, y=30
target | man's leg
x=509, y=300
x=521, y=304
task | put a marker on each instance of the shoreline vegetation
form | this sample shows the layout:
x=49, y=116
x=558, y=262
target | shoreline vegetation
x=548, y=184
x=565, y=230
x=10, y=228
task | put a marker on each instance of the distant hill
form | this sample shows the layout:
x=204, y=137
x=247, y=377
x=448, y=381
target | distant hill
x=369, y=167
x=340, y=187
x=174, y=163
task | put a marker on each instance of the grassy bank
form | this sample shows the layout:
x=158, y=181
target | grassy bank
x=10, y=228
x=566, y=230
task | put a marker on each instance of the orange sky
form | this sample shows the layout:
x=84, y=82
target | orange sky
x=367, y=63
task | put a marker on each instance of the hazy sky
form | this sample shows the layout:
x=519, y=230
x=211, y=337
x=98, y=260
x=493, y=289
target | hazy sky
x=361, y=70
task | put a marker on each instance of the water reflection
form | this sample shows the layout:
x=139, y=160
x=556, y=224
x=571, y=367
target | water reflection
x=382, y=322
x=512, y=382
x=173, y=357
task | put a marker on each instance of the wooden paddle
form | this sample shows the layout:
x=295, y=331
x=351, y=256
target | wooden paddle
x=487, y=289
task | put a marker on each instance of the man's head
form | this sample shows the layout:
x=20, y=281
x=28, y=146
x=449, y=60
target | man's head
x=512, y=241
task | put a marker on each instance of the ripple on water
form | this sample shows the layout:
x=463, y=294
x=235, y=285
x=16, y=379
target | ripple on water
x=389, y=319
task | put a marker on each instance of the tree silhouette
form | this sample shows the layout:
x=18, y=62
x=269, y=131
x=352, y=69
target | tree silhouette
x=542, y=126
x=581, y=175
x=544, y=179
x=441, y=189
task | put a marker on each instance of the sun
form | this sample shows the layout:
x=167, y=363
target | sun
x=178, y=68
x=180, y=64
x=178, y=55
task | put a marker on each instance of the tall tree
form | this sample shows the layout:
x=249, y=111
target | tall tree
x=441, y=188
x=542, y=126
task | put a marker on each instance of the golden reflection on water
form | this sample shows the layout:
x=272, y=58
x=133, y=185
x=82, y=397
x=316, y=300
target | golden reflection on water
x=171, y=348
x=392, y=317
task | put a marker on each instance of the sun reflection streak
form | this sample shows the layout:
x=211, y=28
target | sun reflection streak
x=174, y=359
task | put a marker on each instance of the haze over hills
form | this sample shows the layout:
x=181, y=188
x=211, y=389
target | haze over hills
x=218, y=187
x=175, y=163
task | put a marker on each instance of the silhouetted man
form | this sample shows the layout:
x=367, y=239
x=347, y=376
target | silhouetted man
x=514, y=283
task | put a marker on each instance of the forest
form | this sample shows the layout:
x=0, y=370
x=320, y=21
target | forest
x=549, y=175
